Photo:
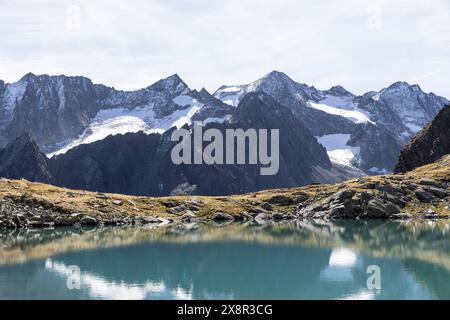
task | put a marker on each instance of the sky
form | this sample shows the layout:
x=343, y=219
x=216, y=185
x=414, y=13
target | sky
x=363, y=45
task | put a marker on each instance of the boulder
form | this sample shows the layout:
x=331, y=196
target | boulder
x=281, y=200
x=262, y=217
x=88, y=221
x=438, y=192
x=429, y=182
x=424, y=196
x=221, y=216
x=377, y=209
x=412, y=186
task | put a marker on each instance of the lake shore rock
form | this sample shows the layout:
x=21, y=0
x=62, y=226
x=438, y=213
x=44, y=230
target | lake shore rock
x=420, y=194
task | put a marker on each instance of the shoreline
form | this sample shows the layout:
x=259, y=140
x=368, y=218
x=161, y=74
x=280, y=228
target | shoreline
x=41, y=218
x=420, y=194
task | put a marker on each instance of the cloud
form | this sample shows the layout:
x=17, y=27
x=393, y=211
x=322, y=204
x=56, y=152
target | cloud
x=363, y=45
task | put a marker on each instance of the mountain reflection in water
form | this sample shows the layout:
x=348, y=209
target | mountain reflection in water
x=295, y=260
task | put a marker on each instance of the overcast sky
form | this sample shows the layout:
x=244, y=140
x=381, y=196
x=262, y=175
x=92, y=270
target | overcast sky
x=362, y=45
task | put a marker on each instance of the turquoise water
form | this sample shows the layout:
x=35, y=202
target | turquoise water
x=314, y=260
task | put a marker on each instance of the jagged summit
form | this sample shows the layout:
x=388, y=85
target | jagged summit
x=403, y=87
x=174, y=84
x=396, y=113
x=339, y=91
x=31, y=77
x=276, y=76
x=28, y=76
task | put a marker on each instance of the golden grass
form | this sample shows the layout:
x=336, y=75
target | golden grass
x=91, y=203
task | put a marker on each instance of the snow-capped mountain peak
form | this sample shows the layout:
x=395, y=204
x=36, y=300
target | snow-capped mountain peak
x=339, y=91
x=403, y=108
x=173, y=84
x=394, y=113
x=275, y=76
x=61, y=112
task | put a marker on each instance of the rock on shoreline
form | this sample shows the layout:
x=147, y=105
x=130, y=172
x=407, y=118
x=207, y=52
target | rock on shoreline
x=423, y=193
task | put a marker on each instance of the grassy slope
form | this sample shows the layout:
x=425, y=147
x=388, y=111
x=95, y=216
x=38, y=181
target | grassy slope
x=91, y=203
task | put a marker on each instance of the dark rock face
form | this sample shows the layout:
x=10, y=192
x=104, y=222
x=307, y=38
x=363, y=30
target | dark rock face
x=22, y=159
x=379, y=148
x=141, y=164
x=51, y=109
x=429, y=145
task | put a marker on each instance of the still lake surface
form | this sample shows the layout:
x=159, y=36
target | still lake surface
x=295, y=260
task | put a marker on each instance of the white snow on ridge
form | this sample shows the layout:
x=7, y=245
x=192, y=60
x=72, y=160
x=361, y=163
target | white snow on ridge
x=230, y=89
x=13, y=92
x=185, y=119
x=231, y=98
x=338, y=150
x=100, y=130
x=233, y=94
x=217, y=120
x=122, y=120
x=345, y=102
x=349, y=111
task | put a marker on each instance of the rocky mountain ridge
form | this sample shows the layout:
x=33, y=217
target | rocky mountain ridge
x=428, y=145
x=393, y=114
x=61, y=112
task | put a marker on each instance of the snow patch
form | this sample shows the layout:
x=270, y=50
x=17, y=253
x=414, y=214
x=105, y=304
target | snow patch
x=231, y=95
x=61, y=94
x=122, y=120
x=349, y=111
x=338, y=150
x=226, y=118
x=14, y=92
x=413, y=127
x=100, y=130
x=183, y=100
x=187, y=118
x=375, y=170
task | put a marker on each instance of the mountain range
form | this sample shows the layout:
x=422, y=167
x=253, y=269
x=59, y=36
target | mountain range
x=366, y=131
x=71, y=132
x=140, y=163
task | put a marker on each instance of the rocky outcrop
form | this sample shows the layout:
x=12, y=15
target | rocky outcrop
x=429, y=145
x=23, y=159
x=379, y=149
x=393, y=197
x=421, y=194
